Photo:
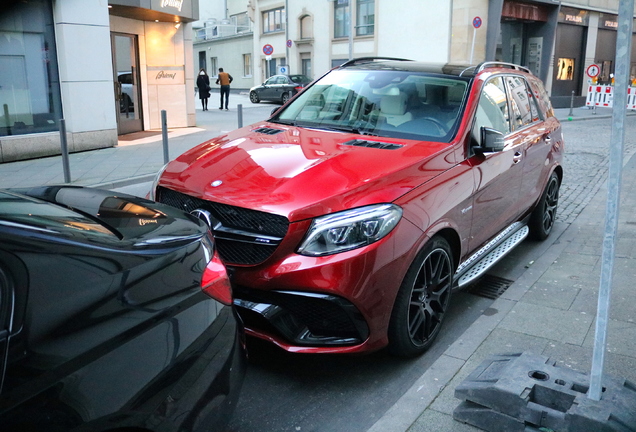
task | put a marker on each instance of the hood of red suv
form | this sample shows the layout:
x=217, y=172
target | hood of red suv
x=301, y=173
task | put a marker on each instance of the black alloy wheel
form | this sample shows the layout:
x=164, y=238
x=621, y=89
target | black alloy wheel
x=544, y=215
x=422, y=300
x=285, y=97
x=254, y=97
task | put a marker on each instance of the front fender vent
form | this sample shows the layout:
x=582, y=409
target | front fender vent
x=268, y=131
x=372, y=144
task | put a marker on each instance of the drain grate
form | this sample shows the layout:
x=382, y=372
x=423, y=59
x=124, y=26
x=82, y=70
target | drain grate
x=490, y=286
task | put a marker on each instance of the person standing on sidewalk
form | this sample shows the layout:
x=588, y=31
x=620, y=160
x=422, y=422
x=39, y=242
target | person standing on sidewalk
x=225, y=79
x=203, y=84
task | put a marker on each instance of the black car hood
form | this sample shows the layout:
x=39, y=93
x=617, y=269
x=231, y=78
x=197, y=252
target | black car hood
x=100, y=212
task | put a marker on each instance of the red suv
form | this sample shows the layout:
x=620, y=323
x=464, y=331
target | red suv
x=347, y=218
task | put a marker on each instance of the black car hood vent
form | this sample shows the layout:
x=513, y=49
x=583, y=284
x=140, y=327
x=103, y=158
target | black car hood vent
x=268, y=131
x=373, y=144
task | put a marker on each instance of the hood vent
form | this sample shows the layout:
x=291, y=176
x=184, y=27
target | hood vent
x=373, y=144
x=268, y=131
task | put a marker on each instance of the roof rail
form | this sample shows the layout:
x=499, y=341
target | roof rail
x=369, y=59
x=488, y=64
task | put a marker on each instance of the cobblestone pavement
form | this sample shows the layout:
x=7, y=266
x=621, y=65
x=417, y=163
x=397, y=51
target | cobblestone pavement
x=586, y=162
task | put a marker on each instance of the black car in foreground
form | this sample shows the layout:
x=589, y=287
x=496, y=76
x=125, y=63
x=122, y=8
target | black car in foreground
x=279, y=88
x=115, y=314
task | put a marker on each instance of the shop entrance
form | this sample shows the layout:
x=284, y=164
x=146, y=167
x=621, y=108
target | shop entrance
x=126, y=83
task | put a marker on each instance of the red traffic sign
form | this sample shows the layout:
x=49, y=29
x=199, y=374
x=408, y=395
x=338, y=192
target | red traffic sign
x=268, y=49
x=593, y=70
x=477, y=22
x=289, y=43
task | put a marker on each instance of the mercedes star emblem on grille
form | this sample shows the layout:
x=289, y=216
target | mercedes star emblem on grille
x=206, y=217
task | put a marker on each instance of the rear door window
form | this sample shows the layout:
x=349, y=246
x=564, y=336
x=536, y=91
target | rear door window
x=522, y=104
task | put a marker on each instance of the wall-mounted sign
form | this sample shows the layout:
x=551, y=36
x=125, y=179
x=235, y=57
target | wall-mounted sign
x=608, y=21
x=182, y=8
x=165, y=75
x=569, y=15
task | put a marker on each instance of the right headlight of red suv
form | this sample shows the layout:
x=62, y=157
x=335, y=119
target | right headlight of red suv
x=350, y=229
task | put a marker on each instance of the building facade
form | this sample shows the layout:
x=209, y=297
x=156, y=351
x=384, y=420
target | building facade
x=106, y=67
x=556, y=40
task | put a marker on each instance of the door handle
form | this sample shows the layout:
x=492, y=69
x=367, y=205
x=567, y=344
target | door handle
x=547, y=138
x=516, y=158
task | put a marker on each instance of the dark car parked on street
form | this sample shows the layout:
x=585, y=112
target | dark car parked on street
x=115, y=314
x=348, y=218
x=278, y=88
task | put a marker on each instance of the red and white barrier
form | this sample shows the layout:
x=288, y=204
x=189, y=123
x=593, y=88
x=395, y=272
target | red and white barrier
x=603, y=95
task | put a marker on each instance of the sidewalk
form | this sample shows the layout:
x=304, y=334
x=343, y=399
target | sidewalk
x=550, y=310
x=138, y=156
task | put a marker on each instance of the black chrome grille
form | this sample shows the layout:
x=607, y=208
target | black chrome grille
x=372, y=144
x=254, y=223
x=302, y=318
x=268, y=131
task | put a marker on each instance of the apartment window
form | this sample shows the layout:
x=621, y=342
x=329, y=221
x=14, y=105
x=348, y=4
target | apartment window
x=274, y=20
x=306, y=67
x=247, y=65
x=306, y=27
x=365, y=17
x=341, y=18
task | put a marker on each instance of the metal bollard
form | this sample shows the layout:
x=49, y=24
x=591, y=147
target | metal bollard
x=64, y=145
x=164, y=136
x=572, y=105
x=239, y=109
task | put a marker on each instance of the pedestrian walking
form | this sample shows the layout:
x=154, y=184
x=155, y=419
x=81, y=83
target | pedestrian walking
x=203, y=84
x=225, y=79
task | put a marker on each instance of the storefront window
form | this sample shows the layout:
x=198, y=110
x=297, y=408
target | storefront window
x=565, y=70
x=29, y=84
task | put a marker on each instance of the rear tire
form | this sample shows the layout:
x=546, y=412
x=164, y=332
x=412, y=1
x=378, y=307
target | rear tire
x=285, y=98
x=544, y=215
x=422, y=301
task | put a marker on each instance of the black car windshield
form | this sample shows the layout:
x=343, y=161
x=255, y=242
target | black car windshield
x=389, y=103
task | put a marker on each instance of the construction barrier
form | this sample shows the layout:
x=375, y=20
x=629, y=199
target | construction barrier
x=603, y=96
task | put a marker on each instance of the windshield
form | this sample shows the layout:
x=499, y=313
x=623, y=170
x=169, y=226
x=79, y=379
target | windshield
x=398, y=104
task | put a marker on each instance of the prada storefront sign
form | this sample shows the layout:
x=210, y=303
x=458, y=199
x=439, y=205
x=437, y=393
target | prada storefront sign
x=574, y=16
x=165, y=75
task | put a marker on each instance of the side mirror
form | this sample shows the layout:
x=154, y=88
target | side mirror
x=491, y=140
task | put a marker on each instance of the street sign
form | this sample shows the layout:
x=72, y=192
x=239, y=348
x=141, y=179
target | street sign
x=593, y=71
x=289, y=43
x=477, y=22
x=282, y=70
x=268, y=49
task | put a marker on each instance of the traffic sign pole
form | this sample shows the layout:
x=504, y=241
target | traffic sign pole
x=476, y=24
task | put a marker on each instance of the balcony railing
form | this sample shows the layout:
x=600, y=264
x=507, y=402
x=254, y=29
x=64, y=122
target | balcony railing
x=219, y=29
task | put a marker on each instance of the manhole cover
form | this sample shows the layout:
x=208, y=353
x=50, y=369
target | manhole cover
x=490, y=286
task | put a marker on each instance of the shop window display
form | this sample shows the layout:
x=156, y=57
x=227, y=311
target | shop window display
x=565, y=70
x=29, y=84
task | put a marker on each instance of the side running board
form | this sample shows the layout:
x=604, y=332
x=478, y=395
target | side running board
x=479, y=262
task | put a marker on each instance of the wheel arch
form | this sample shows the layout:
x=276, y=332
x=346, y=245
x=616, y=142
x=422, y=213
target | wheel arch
x=452, y=237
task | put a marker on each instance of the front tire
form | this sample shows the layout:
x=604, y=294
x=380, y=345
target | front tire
x=544, y=215
x=422, y=300
x=254, y=97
